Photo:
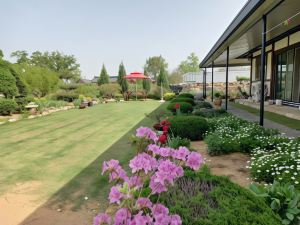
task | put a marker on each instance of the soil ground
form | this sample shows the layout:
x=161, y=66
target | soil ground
x=231, y=165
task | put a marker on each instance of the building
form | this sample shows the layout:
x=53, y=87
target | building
x=265, y=35
x=234, y=72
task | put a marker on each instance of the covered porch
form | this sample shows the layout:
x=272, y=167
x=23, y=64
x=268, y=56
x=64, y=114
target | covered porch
x=265, y=35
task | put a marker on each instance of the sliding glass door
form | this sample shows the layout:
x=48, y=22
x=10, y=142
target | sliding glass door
x=287, y=75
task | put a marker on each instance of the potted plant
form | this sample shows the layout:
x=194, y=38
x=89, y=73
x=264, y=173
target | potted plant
x=279, y=100
x=217, y=100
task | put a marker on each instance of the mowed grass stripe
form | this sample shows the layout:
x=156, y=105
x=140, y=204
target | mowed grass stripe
x=53, y=156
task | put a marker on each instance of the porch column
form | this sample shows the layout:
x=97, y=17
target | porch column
x=212, y=81
x=262, y=70
x=226, y=91
x=203, y=83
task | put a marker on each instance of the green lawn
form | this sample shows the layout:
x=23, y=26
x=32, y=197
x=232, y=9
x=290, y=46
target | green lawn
x=289, y=122
x=64, y=151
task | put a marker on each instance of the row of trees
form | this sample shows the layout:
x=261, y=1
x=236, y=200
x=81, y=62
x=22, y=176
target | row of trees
x=38, y=74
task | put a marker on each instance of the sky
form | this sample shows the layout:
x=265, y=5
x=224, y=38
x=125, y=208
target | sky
x=107, y=32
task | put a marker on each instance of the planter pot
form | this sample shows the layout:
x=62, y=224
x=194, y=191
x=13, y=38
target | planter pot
x=278, y=102
x=218, y=103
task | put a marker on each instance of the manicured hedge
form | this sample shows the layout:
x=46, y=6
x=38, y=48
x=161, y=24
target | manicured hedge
x=186, y=95
x=191, y=127
x=205, y=105
x=7, y=106
x=202, y=198
x=184, y=107
x=188, y=100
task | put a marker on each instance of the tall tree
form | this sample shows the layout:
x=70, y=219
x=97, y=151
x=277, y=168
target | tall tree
x=122, y=81
x=146, y=85
x=154, y=64
x=8, y=85
x=22, y=56
x=65, y=65
x=175, y=77
x=191, y=64
x=104, y=78
x=162, y=78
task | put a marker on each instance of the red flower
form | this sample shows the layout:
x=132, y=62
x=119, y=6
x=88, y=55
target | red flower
x=165, y=129
x=162, y=138
x=165, y=123
x=177, y=106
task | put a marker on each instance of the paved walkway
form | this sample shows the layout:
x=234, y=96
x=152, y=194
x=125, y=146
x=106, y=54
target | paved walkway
x=267, y=123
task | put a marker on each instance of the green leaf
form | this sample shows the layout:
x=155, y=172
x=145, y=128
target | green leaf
x=290, y=216
x=286, y=222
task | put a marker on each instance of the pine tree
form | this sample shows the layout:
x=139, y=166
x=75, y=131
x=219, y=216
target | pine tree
x=104, y=78
x=162, y=78
x=146, y=85
x=121, y=80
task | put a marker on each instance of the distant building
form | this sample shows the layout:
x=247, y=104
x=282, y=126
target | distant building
x=84, y=81
x=219, y=74
x=112, y=79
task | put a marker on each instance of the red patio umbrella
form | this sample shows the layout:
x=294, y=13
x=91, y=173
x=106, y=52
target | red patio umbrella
x=135, y=76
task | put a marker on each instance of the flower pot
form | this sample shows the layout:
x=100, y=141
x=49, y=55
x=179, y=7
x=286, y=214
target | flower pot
x=218, y=103
x=278, y=102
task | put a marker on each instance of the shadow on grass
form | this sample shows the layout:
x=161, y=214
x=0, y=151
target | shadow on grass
x=89, y=182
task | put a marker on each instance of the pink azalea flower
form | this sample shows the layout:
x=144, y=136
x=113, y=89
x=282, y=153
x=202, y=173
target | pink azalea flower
x=175, y=220
x=147, y=133
x=102, y=219
x=194, y=161
x=144, y=162
x=115, y=170
x=181, y=153
x=156, y=187
x=167, y=172
x=159, y=209
x=123, y=216
x=115, y=195
x=135, y=181
x=139, y=219
x=144, y=203
x=165, y=152
x=110, y=165
x=154, y=148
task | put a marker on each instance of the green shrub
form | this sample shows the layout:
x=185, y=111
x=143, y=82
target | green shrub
x=205, y=105
x=22, y=102
x=176, y=142
x=188, y=100
x=46, y=104
x=202, y=198
x=185, y=95
x=169, y=96
x=68, y=96
x=209, y=113
x=230, y=131
x=88, y=90
x=184, y=107
x=283, y=199
x=191, y=127
x=7, y=106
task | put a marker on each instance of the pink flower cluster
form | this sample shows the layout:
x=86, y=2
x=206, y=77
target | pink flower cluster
x=161, y=166
x=143, y=162
x=114, y=169
x=157, y=214
x=146, y=133
x=165, y=175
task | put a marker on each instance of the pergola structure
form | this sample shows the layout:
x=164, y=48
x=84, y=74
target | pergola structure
x=266, y=36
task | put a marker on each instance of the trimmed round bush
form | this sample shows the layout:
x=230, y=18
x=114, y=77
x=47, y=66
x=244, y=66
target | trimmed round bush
x=188, y=100
x=191, y=127
x=185, y=95
x=7, y=106
x=184, y=107
x=202, y=198
x=169, y=96
x=205, y=105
